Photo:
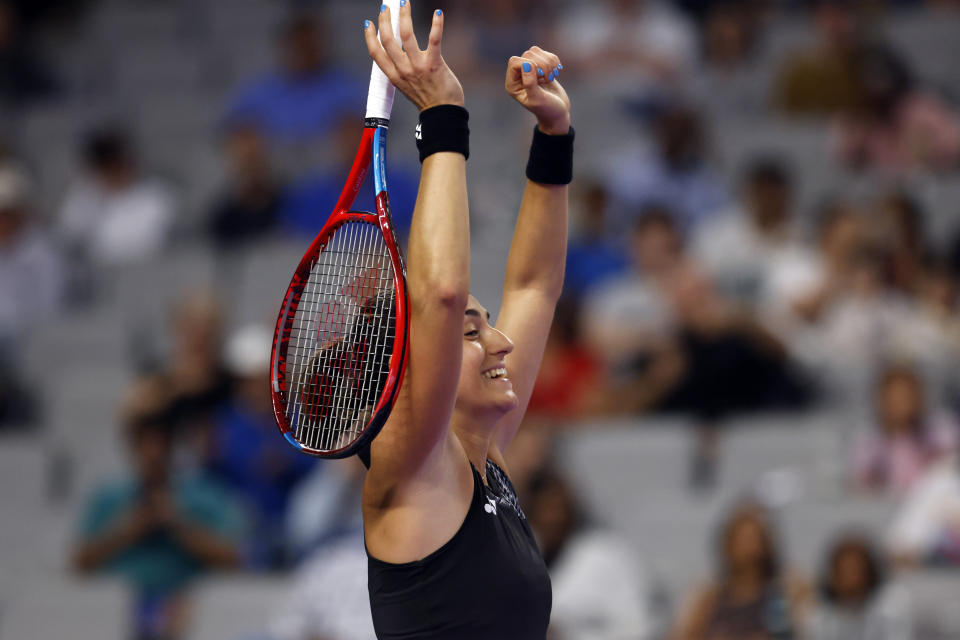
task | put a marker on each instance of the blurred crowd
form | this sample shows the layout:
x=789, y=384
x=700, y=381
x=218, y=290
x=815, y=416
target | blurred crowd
x=687, y=291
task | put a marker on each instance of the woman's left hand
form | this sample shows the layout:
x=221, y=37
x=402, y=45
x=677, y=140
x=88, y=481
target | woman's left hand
x=532, y=81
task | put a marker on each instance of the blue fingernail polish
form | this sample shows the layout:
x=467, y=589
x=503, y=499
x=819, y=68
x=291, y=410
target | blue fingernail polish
x=560, y=66
x=439, y=13
x=556, y=72
x=539, y=72
x=552, y=76
x=526, y=67
x=403, y=3
x=366, y=25
x=383, y=8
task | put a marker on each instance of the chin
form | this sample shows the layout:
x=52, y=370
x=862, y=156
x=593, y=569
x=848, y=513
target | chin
x=507, y=402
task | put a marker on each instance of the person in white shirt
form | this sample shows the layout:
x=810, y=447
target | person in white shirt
x=857, y=602
x=112, y=214
x=31, y=273
x=601, y=589
x=328, y=599
x=927, y=528
x=637, y=38
x=738, y=246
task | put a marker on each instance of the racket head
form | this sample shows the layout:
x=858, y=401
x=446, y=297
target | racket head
x=340, y=345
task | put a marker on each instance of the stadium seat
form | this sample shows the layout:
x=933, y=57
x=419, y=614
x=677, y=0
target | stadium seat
x=235, y=607
x=51, y=608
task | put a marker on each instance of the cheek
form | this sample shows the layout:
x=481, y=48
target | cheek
x=470, y=365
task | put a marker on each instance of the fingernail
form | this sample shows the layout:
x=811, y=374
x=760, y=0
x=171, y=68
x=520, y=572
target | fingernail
x=439, y=13
x=553, y=76
x=556, y=71
x=366, y=25
x=383, y=8
x=560, y=66
x=539, y=72
x=403, y=3
x=526, y=67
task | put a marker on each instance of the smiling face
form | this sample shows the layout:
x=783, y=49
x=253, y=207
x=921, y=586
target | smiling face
x=485, y=386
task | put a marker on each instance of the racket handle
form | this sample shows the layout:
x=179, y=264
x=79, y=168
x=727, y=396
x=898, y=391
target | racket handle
x=380, y=96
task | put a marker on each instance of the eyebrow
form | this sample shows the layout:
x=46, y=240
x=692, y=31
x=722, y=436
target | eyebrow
x=474, y=312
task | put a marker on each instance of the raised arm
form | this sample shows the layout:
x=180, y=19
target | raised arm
x=535, y=266
x=438, y=267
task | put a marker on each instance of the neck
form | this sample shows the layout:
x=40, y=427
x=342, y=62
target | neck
x=746, y=581
x=474, y=435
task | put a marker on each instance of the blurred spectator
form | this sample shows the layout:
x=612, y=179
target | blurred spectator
x=250, y=206
x=324, y=506
x=675, y=173
x=531, y=450
x=683, y=345
x=907, y=438
x=752, y=595
x=31, y=273
x=901, y=230
x=156, y=528
x=569, y=374
x=248, y=453
x=896, y=127
x=627, y=38
x=802, y=285
x=306, y=95
x=933, y=339
x=329, y=598
x=824, y=78
x=591, y=256
x=738, y=247
x=926, y=530
x=505, y=30
x=838, y=310
x=113, y=214
x=730, y=82
x=600, y=589
x=856, y=601
x=24, y=77
x=195, y=373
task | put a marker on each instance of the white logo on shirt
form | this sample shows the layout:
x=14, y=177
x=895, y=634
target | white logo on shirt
x=492, y=507
x=419, y=132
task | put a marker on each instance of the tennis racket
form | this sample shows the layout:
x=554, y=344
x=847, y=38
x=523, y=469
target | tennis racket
x=340, y=345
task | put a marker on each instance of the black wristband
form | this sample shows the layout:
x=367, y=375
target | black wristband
x=551, y=158
x=443, y=128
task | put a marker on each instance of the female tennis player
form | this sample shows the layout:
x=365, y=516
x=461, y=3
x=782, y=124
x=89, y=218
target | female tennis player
x=450, y=551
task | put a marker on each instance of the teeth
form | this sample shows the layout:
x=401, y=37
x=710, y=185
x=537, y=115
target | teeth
x=496, y=373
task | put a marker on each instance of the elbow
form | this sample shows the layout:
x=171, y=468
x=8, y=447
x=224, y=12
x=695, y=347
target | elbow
x=446, y=294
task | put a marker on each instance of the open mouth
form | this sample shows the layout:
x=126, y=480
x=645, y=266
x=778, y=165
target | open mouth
x=493, y=374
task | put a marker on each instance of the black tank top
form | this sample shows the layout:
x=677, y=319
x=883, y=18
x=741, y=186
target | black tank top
x=488, y=582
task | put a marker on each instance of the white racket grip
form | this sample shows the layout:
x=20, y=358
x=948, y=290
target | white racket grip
x=380, y=96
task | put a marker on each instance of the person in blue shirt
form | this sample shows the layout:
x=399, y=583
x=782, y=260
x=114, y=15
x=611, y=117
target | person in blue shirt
x=306, y=96
x=248, y=456
x=156, y=528
x=592, y=256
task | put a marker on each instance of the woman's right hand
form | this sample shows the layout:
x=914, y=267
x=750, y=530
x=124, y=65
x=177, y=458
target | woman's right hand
x=422, y=76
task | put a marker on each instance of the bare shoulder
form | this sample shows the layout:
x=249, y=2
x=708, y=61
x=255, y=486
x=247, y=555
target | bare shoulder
x=410, y=515
x=698, y=608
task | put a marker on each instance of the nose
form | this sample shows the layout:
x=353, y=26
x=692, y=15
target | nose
x=499, y=344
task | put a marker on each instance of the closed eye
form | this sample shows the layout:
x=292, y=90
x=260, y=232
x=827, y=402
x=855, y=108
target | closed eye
x=472, y=333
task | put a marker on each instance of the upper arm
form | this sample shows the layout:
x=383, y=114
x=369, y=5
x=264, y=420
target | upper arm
x=693, y=621
x=437, y=284
x=525, y=317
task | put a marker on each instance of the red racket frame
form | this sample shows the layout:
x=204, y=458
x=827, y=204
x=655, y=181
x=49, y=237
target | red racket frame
x=285, y=320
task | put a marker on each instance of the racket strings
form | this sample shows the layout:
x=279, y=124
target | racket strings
x=338, y=356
